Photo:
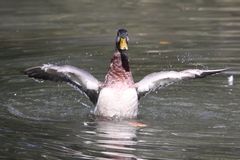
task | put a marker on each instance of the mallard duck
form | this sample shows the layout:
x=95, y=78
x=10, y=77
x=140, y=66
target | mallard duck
x=118, y=95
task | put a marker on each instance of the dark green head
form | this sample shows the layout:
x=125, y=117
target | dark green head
x=122, y=40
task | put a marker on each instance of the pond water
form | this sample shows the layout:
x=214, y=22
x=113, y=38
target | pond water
x=198, y=119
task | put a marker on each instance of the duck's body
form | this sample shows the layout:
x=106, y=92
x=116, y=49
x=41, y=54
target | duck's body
x=117, y=102
x=118, y=95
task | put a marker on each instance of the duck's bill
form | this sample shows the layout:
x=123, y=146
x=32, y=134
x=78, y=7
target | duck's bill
x=123, y=44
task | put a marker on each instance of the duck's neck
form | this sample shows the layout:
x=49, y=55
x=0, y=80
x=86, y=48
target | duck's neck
x=125, y=62
x=119, y=70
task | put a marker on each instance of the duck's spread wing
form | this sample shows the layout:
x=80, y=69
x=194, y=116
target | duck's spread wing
x=76, y=77
x=157, y=80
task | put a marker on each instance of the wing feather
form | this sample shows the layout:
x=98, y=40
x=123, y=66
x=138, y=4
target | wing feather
x=157, y=80
x=76, y=77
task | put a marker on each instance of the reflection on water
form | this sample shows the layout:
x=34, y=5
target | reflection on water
x=198, y=119
x=112, y=140
x=117, y=138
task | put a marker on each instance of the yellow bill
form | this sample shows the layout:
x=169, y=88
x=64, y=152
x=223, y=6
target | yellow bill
x=123, y=44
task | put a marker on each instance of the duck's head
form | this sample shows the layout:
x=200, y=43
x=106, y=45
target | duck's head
x=122, y=40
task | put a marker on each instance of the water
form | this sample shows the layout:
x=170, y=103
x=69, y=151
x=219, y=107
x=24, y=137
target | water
x=197, y=119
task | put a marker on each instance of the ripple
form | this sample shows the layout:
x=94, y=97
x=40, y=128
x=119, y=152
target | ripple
x=19, y=114
x=221, y=9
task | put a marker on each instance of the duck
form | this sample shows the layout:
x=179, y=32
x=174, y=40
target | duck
x=118, y=95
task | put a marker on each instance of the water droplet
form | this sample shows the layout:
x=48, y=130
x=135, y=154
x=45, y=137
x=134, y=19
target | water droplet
x=230, y=80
